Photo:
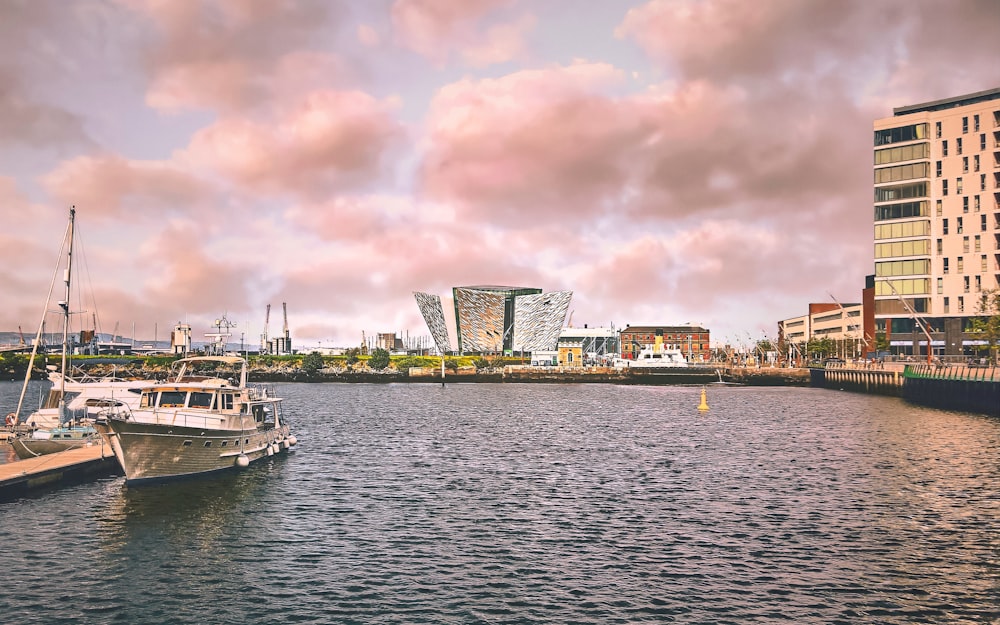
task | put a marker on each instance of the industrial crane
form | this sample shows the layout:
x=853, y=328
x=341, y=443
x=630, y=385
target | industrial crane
x=265, y=348
x=288, y=336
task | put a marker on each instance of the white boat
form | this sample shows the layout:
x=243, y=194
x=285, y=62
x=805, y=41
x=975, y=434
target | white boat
x=194, y=424
x=654, y=357
x=63, y=421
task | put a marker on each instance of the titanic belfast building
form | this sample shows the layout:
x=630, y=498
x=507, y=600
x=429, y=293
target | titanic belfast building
x=495, y=319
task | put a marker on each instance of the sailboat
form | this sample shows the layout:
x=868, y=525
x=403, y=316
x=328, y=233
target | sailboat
x=65, y=420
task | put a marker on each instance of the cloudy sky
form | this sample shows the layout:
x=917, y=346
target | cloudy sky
x=669, y=161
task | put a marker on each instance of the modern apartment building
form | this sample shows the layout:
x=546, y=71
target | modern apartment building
x=937, y=221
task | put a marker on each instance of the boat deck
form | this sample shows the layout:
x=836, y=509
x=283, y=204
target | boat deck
x=17, y=478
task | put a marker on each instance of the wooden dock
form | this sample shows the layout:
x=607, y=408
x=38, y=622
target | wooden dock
x=70, y=466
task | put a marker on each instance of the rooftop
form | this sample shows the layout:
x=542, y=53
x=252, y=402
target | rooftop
x=947, y=103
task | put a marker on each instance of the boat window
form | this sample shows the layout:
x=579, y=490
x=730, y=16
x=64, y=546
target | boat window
x=258, y=412
x=148, y=399
x=226, y=401
x=200, y=400
x=208, y=443
x=172, y=399
x=224, y=443
x=187, y=443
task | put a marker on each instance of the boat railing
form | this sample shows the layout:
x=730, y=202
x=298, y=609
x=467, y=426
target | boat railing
x=258, y=391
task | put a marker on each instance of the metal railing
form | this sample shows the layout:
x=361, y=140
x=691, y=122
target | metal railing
x=948, y=371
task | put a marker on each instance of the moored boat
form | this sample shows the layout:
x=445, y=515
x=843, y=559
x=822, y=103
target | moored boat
x=194, y=424
x=654, y=357
x=63, y=421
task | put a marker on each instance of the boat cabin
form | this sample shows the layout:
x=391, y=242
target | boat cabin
x=226, y=401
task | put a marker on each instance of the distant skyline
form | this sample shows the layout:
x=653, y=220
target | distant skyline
x=670, y=162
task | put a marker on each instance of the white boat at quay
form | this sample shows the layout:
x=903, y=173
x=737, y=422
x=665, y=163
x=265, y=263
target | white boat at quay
x=654, y=357
x=197, y=422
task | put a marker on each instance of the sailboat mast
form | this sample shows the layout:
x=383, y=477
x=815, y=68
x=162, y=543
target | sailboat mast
x=65, y=308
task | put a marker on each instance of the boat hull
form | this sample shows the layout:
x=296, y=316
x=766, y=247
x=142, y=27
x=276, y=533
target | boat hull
x=26, y=447
x=157, y=452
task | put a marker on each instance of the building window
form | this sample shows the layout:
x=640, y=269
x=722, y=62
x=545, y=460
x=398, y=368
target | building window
x=979, y=284
x=965, y=164
x=944, y=147
x=982, y=141
x=965, y=284
x=961, y=264
x=982, y=182
x=947, y=306
x=937, y=130
x=961, y=304
x=944, y=226
x=965, y=248
x=944, y=187
x=940, y=246
x=958, y=145
x=982, y=223
x=939, y=207
x=965, y=125
x=965, y=204
x=982, y=263
x=975, y=162
x=960, y=225
x=940, y=283
x=958, y=185
x=978, y=243
x=975, y=123
x=937, y=168
x=944, y=267
x=975, y=203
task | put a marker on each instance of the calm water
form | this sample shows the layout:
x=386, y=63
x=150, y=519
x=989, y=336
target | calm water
x=541, y=504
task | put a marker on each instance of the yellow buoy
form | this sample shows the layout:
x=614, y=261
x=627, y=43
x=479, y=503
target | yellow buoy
x=704, y=404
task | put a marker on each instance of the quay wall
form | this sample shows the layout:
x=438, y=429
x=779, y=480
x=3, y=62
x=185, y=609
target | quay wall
x=871, y=381
x=975, y=389
x=950, y=387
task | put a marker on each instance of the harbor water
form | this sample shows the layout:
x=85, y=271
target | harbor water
x=540, y=503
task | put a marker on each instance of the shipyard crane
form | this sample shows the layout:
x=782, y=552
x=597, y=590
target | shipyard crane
x=288, y=337
x=21, y=332
x=265, y=348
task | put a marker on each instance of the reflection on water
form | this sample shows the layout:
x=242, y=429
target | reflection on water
x=543, y=503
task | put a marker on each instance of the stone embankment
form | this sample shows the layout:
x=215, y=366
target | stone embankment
x=292, y=372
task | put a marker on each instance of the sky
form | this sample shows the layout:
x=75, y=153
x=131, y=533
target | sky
x=669, y=161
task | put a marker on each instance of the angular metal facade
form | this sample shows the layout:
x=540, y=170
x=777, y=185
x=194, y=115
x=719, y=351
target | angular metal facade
x=494, y=319
x=480, y=320
x=433, y=313
x=538, y=320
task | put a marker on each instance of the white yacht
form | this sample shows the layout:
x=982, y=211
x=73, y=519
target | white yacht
x=654, y=357
x=195, y=424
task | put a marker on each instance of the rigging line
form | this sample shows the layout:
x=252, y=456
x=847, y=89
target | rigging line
x=41, y=324
x=85, y=262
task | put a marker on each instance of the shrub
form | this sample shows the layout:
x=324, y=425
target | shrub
x=379, y=359
x=312, y=363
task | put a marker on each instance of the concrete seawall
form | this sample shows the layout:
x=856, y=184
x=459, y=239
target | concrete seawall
x=954, y=387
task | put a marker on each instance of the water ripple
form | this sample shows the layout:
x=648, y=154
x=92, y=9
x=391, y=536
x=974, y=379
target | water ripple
x=542, y=503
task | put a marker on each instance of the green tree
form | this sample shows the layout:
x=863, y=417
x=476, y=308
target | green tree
x=312, y=363
x=987, y=325
x=379, y=359
x=352, y=355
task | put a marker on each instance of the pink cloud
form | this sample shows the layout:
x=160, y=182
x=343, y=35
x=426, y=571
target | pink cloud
x=224, y=55
x=330, y=140
x=531, y=145
x=111, y=186
x=436, y=29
